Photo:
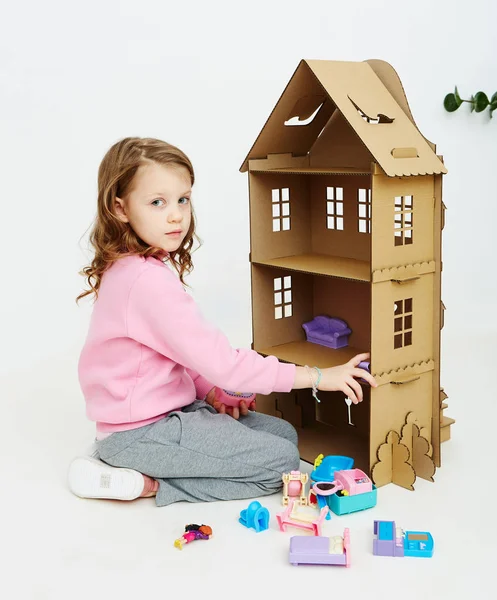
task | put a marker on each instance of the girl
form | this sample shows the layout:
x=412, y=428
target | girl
x=150, y=363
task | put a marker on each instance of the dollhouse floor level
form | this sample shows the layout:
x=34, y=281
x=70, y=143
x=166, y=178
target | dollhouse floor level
x=305, y=353
x=321, y=264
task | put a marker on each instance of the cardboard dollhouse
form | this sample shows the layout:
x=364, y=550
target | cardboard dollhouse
x=346, y=216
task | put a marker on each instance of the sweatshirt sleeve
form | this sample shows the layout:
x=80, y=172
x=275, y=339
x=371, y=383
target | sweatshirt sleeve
x=202, y=386
x=163, y=316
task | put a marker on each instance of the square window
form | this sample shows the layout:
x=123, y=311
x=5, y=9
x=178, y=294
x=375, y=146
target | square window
x=276, y=225
x=276, y=195
x=331, y=222
x=286, y=209
x=362, y=210
x=330, y=206
x=408, y=338
x=287, y=282
x=286, y=223
x=339, y=208
x=339, y=193
x=329, y=193
x=276, y=210
x=397, y=324
x=277, y=284
x=340, y=223
x=408, y=305
x=288, y=310
x=398, y=307
x=362, y=195
x=408, y=322
x=278, y=312
x=278, y=298
x=407, y=201
x=285, y=194
x=362, y=226
x=397, y=341
x=288, y=296
x=398, y=202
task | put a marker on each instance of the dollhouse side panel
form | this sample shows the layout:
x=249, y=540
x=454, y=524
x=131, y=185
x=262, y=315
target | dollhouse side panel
x=335, y=216
x=437, y=318
x=402, y=221
x=279, y=215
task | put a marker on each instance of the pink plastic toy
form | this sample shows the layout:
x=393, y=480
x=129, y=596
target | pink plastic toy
x=233, y=398
x=294, y=486
x=290, y=517
x=352, y=482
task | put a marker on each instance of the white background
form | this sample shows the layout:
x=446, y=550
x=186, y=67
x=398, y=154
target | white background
x=75, y=78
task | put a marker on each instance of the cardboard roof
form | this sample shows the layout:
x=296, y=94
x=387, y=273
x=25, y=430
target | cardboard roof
x=360, y=91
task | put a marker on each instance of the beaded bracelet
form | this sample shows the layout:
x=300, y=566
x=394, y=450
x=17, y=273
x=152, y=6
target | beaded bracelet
x=314, y=385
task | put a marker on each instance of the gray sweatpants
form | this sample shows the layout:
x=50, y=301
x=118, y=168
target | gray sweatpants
x=199, y=455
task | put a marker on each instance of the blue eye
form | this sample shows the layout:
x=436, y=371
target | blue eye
x=186, y=200
x=154, y=202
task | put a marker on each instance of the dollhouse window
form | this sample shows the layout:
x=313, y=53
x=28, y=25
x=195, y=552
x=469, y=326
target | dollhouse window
x=334, y=208
x=281, y=209
x=403, y=220
x=402, y=323
x=364, y=210
x=282, y=297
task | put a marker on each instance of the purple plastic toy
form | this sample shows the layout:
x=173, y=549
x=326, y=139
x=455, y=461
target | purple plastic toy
x=331, y=332
x=320, y=550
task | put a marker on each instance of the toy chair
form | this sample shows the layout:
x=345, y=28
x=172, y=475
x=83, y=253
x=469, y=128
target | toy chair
x=293, y=486
x=255, y=516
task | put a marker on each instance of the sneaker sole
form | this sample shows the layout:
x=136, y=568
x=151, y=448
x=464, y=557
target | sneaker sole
x=91, y=478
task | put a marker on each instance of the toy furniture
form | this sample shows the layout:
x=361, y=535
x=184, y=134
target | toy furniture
x=306, y=550
x=325, y=467
x=308, y=522
x=346, y=218
x=327, y=331
x=394, y=541
x=294, y=485
x=255, y=516
x=351, y=491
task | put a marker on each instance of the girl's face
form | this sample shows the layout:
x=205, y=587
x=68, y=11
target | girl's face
x=158, y=206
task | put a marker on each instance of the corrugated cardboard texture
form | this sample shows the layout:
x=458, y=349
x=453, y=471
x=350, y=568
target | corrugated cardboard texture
x=385, y=281
x=361, y=96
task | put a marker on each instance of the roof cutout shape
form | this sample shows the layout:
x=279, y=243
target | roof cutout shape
x=371, y=99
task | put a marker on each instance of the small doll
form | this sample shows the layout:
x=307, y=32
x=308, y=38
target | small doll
x=193, y=532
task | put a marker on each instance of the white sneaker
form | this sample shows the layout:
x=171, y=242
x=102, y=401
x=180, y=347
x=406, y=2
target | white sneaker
x=92, y=478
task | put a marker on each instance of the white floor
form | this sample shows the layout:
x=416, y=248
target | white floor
x=56, y=545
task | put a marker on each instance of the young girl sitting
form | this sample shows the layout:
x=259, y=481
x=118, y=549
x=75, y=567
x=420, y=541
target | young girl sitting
x=150, y=363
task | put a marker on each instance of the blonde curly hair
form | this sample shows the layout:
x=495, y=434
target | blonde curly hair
x=110, y=237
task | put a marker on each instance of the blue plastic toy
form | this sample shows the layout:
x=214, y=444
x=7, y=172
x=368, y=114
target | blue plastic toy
x=255, y=516
x=325, y=471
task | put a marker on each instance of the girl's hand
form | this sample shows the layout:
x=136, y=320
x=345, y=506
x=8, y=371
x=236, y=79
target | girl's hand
x=233, y=411
x=343, y=378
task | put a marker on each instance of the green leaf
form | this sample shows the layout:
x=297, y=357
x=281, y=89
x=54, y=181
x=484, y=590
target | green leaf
x=458, y=98
x=472, y=100
x=481, y=102
x=493, y=99
x=450, y=103
x=493, y=106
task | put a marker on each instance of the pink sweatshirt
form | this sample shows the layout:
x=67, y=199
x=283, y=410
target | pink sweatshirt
x=149, y=350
